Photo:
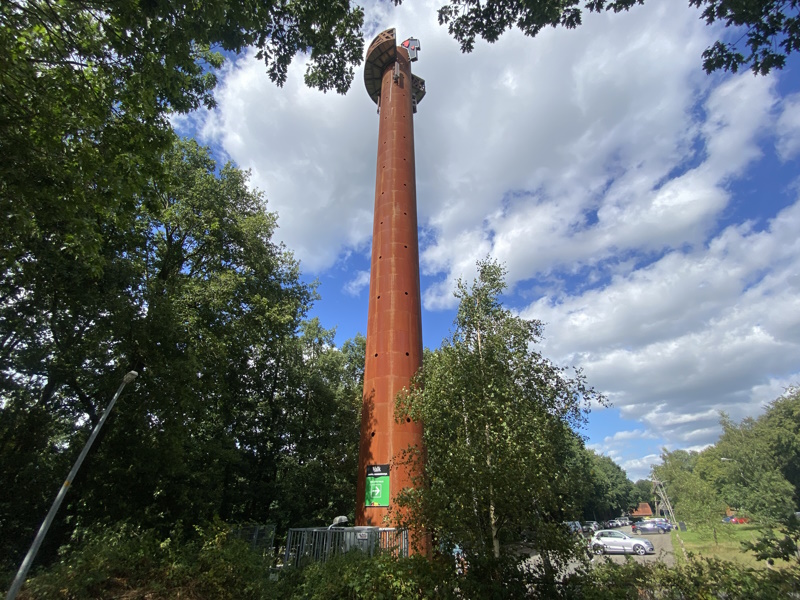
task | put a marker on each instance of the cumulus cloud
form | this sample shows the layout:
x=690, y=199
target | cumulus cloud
x=357, y=283
x=639, y=468
x=624, y=436
x=692, y=334
x=788, y=142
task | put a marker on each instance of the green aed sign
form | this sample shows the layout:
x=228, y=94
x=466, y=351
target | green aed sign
x=377, y=486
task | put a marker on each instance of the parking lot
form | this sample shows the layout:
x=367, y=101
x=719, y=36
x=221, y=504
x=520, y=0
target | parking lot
x=661, y=542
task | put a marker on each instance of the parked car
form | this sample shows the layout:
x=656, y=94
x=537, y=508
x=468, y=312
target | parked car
x=664, y=522
x=739, y=520
x=573, y=526
x=609, y=541
x=590, y=526
x=650, y=527
x=623, y=521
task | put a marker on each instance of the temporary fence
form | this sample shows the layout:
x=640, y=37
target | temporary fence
x=318, y=544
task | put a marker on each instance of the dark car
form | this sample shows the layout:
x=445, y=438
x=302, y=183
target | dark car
x=650, y=527
x=590, y=527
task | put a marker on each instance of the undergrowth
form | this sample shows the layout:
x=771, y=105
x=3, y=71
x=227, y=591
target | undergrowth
x=129, y=563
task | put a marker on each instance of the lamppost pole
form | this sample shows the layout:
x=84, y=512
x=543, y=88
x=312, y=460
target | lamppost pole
x=26, y=563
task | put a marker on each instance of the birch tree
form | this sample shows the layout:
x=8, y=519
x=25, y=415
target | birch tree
x=500, y=450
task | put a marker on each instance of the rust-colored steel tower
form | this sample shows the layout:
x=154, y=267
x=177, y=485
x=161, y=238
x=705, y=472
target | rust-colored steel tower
x=394, y=322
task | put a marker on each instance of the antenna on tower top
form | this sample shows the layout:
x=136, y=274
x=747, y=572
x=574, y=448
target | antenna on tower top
x=412, y=45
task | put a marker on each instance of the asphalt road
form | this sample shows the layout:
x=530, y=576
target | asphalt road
x=661, y=541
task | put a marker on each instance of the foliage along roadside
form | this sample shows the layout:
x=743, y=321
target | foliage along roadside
x=210, y=565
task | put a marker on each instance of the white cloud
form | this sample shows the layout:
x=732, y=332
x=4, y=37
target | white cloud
x=788, y=142
x=639, y=468
x=635, y=209
x=300, y=145
x=358, y=283
x=692, y=334
x=624, y=436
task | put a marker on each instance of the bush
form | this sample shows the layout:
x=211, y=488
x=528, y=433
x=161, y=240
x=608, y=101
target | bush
x=357, y=576
x=697, y=578
x=134, y=563
x=127, y=562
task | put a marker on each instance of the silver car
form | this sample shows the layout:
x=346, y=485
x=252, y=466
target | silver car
x=609, y=541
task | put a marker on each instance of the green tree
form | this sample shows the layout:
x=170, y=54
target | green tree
x=501, y=454
x=749, y=471
x=642, y=492
x=316, y=470
x=121, y=248
x=87, y=90
x=609, y=491
x=765, y=31
x=694, y=498
x=780, y=424
x=673, y=470
x=238, y=396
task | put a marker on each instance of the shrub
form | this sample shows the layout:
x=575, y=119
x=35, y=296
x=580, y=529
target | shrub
x=357, y=576
x=127, y=562
x=134, y=563
x=697, y=578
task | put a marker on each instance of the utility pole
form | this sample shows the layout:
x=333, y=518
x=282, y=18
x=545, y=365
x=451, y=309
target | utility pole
x=661, y=494
x=48, y=520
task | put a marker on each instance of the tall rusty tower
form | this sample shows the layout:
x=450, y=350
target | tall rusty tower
x=394, y=322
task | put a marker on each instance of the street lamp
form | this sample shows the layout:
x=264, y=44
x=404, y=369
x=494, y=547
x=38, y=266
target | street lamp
x=338, y=521
x=26, y=563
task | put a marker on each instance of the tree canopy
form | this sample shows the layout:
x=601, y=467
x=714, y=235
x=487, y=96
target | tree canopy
x=609, y=493
x=765, y=31
x=87, y=88
x=244, y=408
x=122, y=248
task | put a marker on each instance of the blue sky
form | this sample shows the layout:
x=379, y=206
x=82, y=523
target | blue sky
x=646, y=212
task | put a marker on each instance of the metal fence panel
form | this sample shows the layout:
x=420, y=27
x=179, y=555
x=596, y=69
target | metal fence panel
x=312, y=544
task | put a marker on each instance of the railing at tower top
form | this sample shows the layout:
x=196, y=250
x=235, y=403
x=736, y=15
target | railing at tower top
x=314, y=544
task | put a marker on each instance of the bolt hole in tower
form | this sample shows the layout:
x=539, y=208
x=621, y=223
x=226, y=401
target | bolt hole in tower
x=394, y=329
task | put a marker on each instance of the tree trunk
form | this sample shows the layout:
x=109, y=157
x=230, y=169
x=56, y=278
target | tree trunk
x=493, y=523
x=492, y=515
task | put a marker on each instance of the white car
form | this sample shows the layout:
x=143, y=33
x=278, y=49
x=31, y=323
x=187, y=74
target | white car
x=607, y=541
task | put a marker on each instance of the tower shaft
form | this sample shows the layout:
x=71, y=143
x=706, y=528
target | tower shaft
x=394, y=322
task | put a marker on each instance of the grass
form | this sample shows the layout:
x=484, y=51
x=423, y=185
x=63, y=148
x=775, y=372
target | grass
x=728, y=545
